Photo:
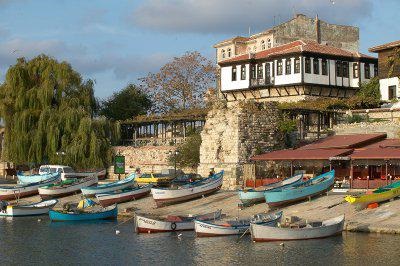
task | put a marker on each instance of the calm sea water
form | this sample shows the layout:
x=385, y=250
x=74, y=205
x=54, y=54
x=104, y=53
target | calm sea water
x=29, y=241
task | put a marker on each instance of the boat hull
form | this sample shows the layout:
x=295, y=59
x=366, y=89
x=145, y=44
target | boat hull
x=147, y=225
x=164, y=197
x=29, y=179
x=20, y=191
x=40, y=208
x=313, y=187
x=253, y=196
x=262, y=233
x=49, y=193
x=109, y=199
x=378, y=195
x=108, y=214
x=121, y=184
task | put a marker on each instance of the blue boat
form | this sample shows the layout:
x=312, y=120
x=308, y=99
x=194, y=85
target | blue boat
x=256, y=195
x=87, y=210
x=29, y=179
x=109, y=187
x=303, y=190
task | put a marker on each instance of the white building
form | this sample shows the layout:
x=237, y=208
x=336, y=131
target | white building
x=389, y=69
x=295, y=71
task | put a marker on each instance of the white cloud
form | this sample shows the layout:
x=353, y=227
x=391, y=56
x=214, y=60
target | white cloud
x=233, y=16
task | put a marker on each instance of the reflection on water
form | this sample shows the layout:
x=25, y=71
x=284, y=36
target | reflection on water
x=27, y=240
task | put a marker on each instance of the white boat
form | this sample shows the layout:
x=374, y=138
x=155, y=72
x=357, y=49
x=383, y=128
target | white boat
x=109, y=187
x=124, y=195
x=38, y=208
x=262, y=233
x=29, y=179
x=24, y=190
x=171, y=223
x=165, y=196
x=66, y=187
x=68, y=172
x=235, y=227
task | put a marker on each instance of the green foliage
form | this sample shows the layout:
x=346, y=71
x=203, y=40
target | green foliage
x=355, y=119
x=369, y=94
x=188, y=152
x=47, y=107
x=126, y=104
x=287, y=126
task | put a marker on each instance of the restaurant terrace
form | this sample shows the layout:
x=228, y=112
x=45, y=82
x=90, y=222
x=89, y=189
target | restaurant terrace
x=363, y=160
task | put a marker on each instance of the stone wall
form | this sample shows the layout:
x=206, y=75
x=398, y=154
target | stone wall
x=147, y=158
x=392, y=129
x=234, y=133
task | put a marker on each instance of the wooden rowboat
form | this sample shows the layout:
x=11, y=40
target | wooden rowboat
x=29, y=179
x=66, y=187
x=124, y=195
x=378, y=195
x=236, y=227
x=90, y=191
x=300, y=191
x=24, y=190
x=38, y=208
x=171, y=223
x=166, y=196
x=262, y=233
x=108, y=213
x=256, y=195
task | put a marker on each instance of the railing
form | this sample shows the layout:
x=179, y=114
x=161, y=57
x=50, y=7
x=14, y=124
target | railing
x=260, y=82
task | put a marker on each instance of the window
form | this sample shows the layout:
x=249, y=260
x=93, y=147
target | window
x=355, y=70
x=392, y=92
x=288, y=66
x=233, y=73
x=307, y=65
x=267, y=71
x=316, y=65
x=297, y=65
x=279, y=69
x=345, y=69
x=324, y=70
x=253, y=71
x=338, y=69
x=375, y=70
x=367, y=73
x=269, y=43
x=259, y=71
x=263, y=45
x=273, y=69
x=229, y=52
x=223, y=53
x=243, y=72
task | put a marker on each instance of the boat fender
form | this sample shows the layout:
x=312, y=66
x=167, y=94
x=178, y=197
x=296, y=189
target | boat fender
x=173, y=226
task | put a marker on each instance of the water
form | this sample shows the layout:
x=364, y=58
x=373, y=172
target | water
x=29, y=241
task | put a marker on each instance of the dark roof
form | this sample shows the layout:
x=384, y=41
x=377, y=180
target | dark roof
x=345, y=141
x=298, y=46
x=287, y=155
x=385, y=46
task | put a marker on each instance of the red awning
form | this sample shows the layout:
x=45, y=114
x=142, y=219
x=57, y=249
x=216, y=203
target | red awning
x=345, y=141
x=386, y=153
x=300, y=154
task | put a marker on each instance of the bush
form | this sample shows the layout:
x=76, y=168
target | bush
x=188, y=152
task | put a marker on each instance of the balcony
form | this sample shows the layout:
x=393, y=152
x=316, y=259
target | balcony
x=254, y=82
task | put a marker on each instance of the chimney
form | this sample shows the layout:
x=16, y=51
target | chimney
x=317, y=29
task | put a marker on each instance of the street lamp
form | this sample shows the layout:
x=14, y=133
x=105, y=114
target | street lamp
x=61, y=153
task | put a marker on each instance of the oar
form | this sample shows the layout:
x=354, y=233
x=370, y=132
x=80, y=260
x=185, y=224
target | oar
x=242, y=235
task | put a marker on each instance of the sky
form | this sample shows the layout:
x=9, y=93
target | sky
x=115, y=42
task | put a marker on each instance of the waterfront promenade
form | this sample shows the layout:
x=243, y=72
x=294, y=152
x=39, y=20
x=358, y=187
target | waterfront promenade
x=384, y=219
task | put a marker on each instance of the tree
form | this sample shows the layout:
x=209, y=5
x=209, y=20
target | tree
x=181, y=83
x=188, y=152
x=47, y=108
x=125, y=104
x=369, y=95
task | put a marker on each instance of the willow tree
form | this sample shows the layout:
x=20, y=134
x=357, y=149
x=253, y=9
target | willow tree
x=48, y=111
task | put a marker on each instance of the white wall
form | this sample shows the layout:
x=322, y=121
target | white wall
x=226, y=78
x=316, y=78
x=384, y=87
x=290, y=78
